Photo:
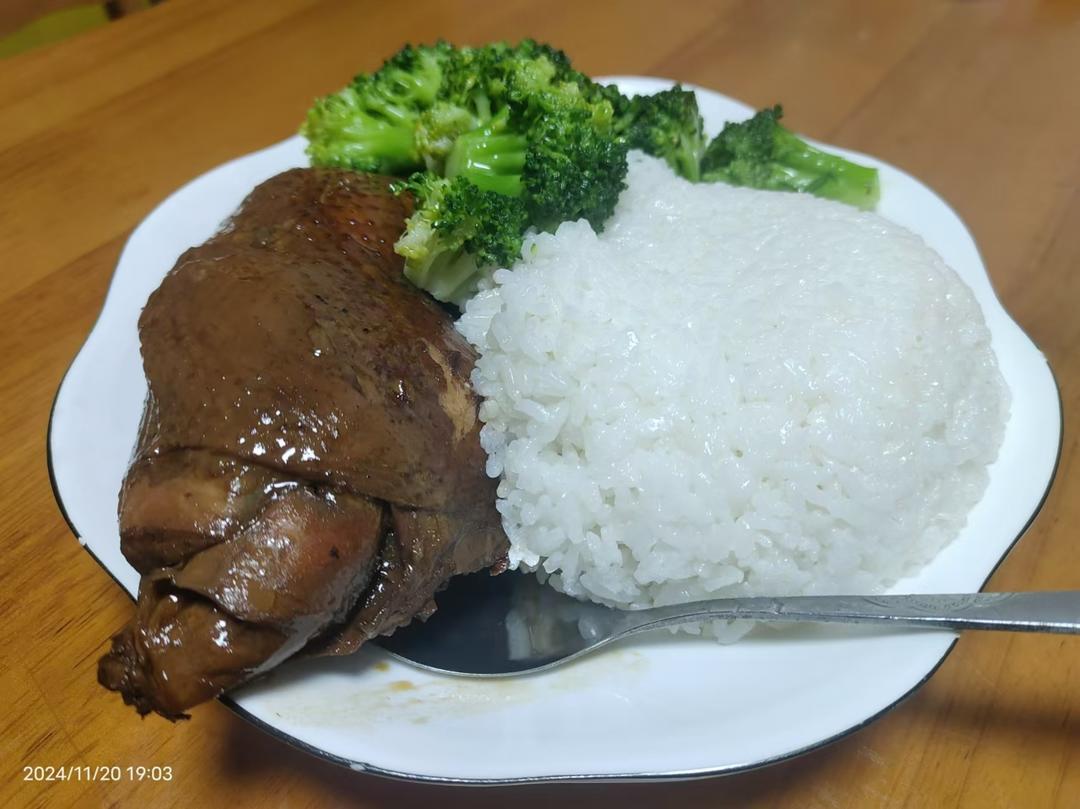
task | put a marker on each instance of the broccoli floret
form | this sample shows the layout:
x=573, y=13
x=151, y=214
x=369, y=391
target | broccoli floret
x=561, y=69
x=761, y=153
x=413, y=76
x=456, y=233
x=666, y=125
x=482, y=84
x=558, y=151
x=597, y=93
x=574, y=169
x=371, y=124
x=485, y=79
x=438, y=129
x=504, y=137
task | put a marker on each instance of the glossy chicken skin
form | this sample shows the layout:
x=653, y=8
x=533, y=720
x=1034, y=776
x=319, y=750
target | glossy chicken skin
x=308, y=471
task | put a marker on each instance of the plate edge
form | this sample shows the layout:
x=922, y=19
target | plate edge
x=635, y=777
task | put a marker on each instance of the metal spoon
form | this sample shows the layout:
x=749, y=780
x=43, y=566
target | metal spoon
x=489, y=626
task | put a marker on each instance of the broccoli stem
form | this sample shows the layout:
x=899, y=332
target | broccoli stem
x=492, y=161
x=449, y=275
x=367, y=147
x=341, y=132
x=760, y=153
x=806, y=168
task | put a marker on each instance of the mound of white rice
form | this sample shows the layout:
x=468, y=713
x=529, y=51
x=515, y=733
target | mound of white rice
x=732, y=392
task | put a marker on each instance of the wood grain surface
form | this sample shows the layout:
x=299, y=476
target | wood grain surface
x=979, y=99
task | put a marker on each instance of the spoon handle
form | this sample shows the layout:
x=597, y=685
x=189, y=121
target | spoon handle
x=1057, y=612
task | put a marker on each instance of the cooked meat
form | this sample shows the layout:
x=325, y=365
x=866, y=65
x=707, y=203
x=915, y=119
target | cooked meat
x=308, y=473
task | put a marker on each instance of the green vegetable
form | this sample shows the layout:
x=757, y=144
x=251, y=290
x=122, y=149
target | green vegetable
x=371, y=124
x=520, y=121
x=490, y=158
x=502, y=138
x=761, y=153
x=457, y=229
x=666, y=125
x=497, y=139
x=575, y=167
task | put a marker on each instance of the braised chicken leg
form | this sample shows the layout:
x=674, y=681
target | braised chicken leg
x=308, y=472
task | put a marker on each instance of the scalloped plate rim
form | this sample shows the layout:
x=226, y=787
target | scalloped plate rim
x=632, y=84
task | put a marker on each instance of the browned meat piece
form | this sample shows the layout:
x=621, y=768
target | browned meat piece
x=308, y=473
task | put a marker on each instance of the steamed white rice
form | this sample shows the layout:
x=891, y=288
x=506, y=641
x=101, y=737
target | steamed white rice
x=732, y=392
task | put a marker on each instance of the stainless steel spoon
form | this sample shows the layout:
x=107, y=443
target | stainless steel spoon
x=490, y=626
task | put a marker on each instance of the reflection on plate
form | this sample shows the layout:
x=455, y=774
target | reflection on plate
x=661, y=707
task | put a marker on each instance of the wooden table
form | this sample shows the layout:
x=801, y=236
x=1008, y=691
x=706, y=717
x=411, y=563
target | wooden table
x=979, y=99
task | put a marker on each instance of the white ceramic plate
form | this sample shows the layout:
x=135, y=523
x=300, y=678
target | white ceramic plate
x=656, y=708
